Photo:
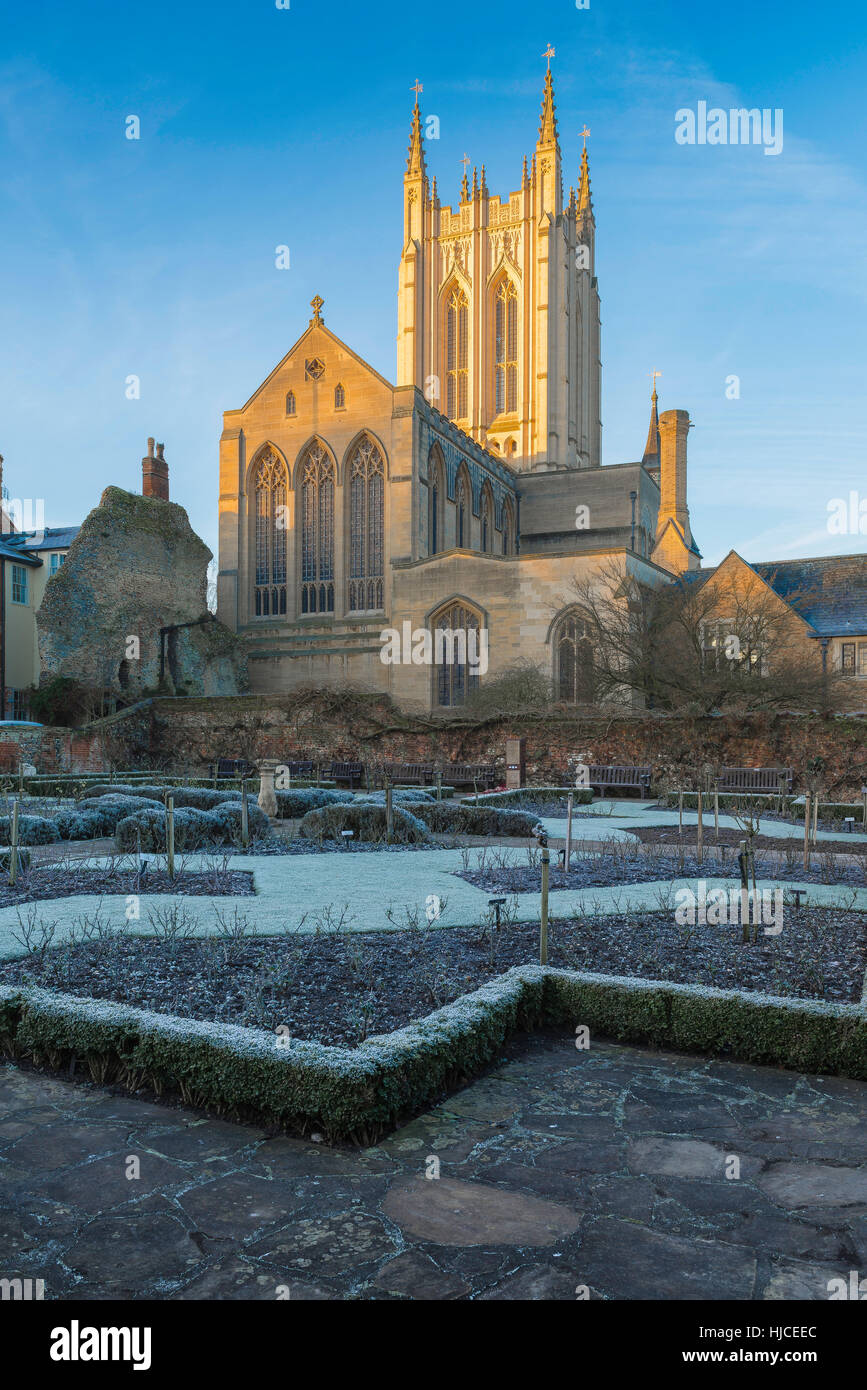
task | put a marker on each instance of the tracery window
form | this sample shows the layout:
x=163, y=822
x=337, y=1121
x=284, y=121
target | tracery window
x=366, y=475
x=270, y=486
x=506, y=348
x=435, y=503
x=457, y=352
x=314, y=369
x=487, y=520
x=508, y=529
x=457, y=636
x=317, y=480
x=462, y=528
x=573, y=660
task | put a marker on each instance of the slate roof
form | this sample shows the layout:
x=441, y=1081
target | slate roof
x=54, y=538
x=830, y=591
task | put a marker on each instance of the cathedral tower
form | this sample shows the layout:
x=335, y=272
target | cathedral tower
x=498, y=306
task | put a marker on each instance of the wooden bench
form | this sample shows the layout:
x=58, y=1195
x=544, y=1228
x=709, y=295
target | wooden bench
x=403, y=774
x=481, y=774
x=620, y=778
x=347, y=772
x=234, y=767
x=755, y=779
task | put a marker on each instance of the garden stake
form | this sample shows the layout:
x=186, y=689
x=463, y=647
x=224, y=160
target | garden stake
x=815, y=836
x=389, y=814
x=13, y=846
x=744, y=866
x=716, y=813
x=439, y=786
x=543, y=931
x=568, y=831
x=170, y=835
x=806, y=830
x=245, y=815
x=699, y=844
x=680, y=813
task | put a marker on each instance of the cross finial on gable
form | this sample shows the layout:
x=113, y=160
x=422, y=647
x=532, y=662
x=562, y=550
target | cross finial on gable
x=316, y=305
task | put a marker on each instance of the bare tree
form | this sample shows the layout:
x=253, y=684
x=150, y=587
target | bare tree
x=699, y=642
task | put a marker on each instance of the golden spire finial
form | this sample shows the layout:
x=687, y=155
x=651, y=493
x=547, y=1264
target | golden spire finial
x=584, y=133
x=549, y=54
x=417, y=87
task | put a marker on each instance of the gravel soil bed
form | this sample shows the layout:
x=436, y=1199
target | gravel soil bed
x=611, y=870
x=340, y=988
x=40, y=884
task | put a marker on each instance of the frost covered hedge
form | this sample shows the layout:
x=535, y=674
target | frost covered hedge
x=32, y=830
x=399, y=794
x=194, y=829
x=366, y=820
x=581, y=796
x=359, y=1094
x=460, y=819
x=108, y=809
x=298, y=802
x=24, y=857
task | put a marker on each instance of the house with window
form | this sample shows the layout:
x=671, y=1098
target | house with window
x=467, y=496
x=28, y=562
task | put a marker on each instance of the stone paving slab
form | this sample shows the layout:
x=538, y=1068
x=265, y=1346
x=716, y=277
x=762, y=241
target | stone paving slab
x=561, y=1173
x=292, y=890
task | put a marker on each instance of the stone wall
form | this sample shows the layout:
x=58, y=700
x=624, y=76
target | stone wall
x=127, y=611
x=189, y=734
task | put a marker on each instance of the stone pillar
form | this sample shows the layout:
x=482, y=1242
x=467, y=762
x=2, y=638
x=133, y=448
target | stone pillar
x=267, y=796
x=514, y=762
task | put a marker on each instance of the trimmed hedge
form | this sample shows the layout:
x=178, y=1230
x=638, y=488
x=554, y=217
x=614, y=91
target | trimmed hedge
x=581, y=796
x=366, y=820
x=359, y=1094
x=461, y=819
x=112, y=807
x=32, y=830
x=24, y=858
x=298, y=801
x=194, y=829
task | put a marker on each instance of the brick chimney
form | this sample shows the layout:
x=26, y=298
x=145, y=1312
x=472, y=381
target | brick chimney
x=155, y=473
x=674, y=427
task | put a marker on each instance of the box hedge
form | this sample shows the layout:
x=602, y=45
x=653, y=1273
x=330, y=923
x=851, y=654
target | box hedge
x=461, y=819
x=366, y=820
x=32, y=830
x=581, y=796
x=358, y=1094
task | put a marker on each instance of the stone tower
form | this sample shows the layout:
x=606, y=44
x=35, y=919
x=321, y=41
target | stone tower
x=498, y=306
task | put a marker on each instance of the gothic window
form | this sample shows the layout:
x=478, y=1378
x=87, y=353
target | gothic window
x=290, y=402
x=508, y=529
x=317, y=481
x=573, y=661
x=366, y=476
x=462, y=510
x=487, y=520
x=505, y=348
x=314, y=369
x=457, y=353
x=270, y=486
x=456, y=653
x=339, y=397
x=435, y=503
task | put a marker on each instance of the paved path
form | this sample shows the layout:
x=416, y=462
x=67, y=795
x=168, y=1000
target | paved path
x=294, y=891
x=560, y=1171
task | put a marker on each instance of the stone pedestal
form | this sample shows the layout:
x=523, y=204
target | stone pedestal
x=514, y=762
x=267, y=796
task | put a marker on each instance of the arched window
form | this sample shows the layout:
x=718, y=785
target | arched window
x=487, y=520
x=290, y=402
x=573, y=661
x=339, y=397
x=457, y=654
x=270, y=488
x=457, y=352
x=508, y=529
x=505, y=348
x=436, y=493
x=317, y=531
x=462, y=513
x=366, y=477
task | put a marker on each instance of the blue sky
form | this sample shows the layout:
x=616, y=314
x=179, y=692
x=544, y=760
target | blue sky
x=262, y=127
